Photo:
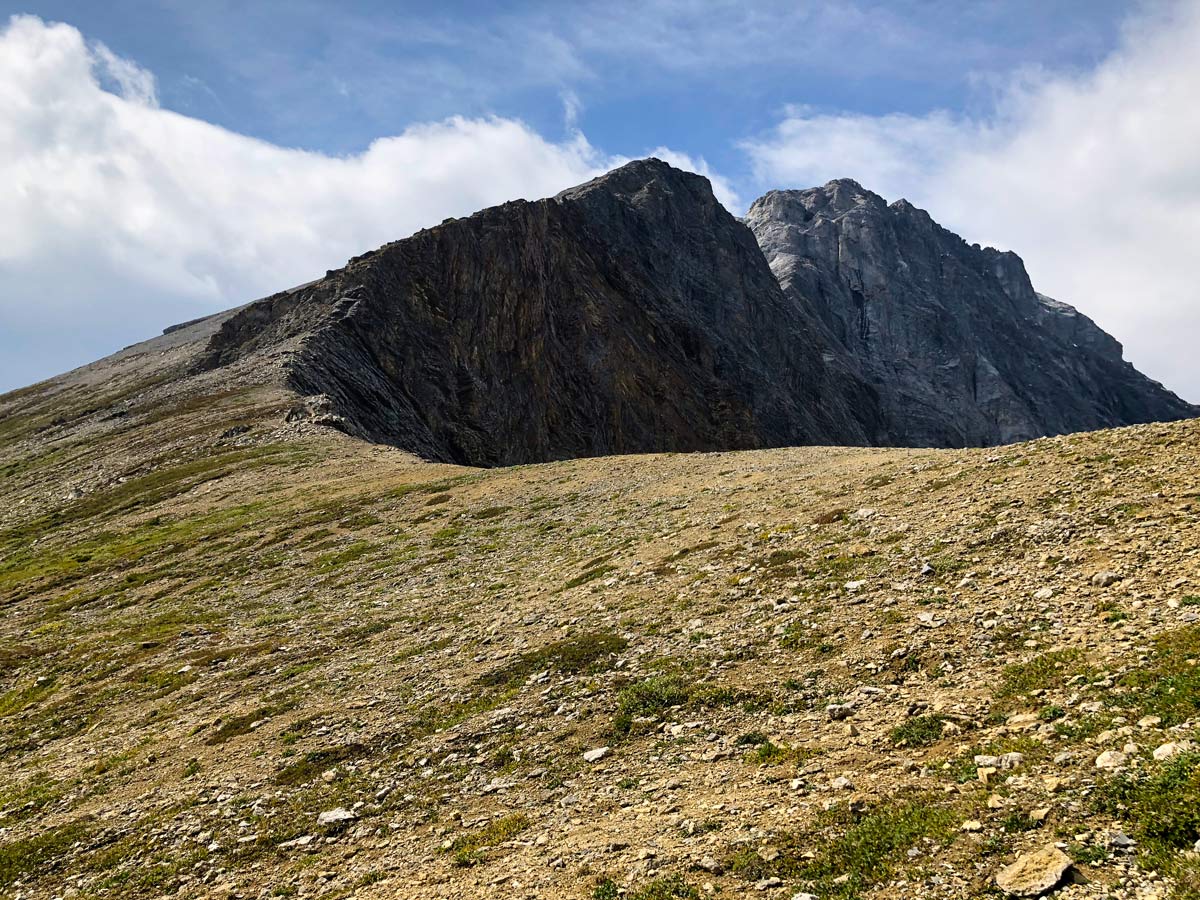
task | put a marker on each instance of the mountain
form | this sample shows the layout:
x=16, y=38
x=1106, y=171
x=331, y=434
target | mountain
x=961, y=349
x=629, y=314
x=634, y=314
x=244, y=654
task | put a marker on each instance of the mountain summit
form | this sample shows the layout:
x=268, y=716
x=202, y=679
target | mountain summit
x=961, y=349
x=628, y=314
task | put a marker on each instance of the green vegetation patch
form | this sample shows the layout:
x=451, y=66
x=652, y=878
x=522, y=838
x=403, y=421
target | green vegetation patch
x=653, y=696
x=1040, y=673
x=1169, y=684
x=467, y=848
x=919, y=731
x=855, y=848
x=313, y=764
x=589, y=575
x=231, y=728
x=33, y=855
x=330, y=562
x=587, y=652
x=1162, y=809
x=670, y=887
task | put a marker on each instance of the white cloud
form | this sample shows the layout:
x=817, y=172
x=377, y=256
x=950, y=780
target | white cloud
x=120, y=217
x=132, y=81
x=1092, y=178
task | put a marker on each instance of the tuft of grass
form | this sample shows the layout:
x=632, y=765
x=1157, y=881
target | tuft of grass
x=859, y=848
x=1018, y=822
x=19, y=859
x=1168, y=686
x=670, y=887
x=467, y=848
x=589, y=575
x=1040, y=673
x=652, y=696
x=242, y=724
x=585, y=653
x=1162, y=808
x=431, y=718
x=311, y=765
x=770, y=754
x=919, y=731
x=330, y=562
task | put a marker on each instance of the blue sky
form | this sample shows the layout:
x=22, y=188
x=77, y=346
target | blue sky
x=689, y=75
x=181, y=157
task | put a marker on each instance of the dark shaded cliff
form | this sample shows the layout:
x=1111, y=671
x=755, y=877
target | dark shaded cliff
x=954, y=338
x=630, y=314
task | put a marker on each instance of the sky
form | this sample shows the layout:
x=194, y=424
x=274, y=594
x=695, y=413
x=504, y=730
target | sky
x=163, y=159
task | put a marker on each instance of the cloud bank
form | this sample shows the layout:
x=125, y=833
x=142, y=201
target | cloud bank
x=1092, y=178
x=120, y=217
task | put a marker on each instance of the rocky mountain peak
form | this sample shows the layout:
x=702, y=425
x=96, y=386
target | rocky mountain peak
x=953, y=336
x=632, y=313
x=833, y=199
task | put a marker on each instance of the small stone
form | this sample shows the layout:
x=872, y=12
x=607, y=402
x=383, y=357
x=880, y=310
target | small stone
x=839, y=711
x=1111, y=759
x=1120, y=840
x=1149, y=722
x=595, y=755
x=768, y=883
x=971, y=825
x=710, y=864
x=1105, y=579
x=984, y=773
x=842, y=783
x=1044, y=594
x=1033, y=874
x=337, y=816
x=1170, y=749
x=1024, y=721
x=1041, y=814
x=1011, y=760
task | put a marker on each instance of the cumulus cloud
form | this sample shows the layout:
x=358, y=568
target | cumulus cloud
x=1092, y=178
x=120, y=216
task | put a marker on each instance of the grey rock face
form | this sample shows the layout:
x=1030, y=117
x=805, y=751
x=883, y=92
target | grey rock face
x=629, y=314
x=961, y=349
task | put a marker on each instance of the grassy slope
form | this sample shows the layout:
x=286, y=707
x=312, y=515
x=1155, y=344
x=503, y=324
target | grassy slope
x=222, y=637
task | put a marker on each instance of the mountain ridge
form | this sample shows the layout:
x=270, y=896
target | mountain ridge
x=633, y=313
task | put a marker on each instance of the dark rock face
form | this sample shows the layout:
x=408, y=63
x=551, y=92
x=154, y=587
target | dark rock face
x=629, y=314
x=961, y=349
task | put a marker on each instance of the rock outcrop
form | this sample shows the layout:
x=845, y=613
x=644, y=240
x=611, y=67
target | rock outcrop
x=629, y=314
x=961, y=349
